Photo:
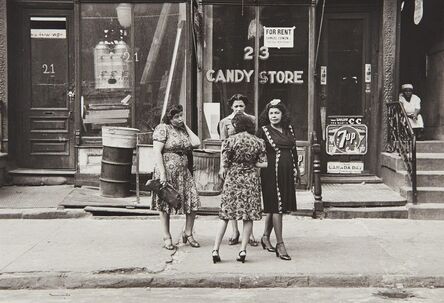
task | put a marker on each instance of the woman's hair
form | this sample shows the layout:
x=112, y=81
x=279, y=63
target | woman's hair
x=242, y=123
x=171, y=111
x=275, y=103
x=237, y=97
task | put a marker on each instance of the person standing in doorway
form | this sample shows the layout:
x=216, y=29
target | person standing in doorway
x=412, y=107
x=282, y=174
x=241, y=155
x=237, y=103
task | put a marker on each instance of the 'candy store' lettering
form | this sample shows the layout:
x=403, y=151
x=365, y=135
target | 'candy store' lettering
x=242, y=75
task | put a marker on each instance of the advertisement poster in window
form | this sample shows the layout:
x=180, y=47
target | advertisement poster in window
x=346, y=135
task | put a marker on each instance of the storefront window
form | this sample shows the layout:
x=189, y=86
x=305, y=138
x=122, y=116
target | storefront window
x=230, y=34
x=133, y=63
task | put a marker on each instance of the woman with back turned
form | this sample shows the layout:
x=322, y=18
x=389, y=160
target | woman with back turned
x=237, y=103
x=241, y=154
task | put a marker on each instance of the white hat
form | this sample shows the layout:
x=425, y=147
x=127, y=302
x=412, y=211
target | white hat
x=407, y=86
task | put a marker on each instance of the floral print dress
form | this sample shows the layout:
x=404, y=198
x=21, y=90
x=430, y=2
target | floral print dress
x=176, y=146
x=241, y=193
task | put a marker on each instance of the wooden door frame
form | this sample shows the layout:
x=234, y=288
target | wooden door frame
x=366, y=99
x=366, y=58
x=24, y=95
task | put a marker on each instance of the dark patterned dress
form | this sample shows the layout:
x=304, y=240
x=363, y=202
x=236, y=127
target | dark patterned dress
x=241, y=193
x=176, y=147
x=279, y=178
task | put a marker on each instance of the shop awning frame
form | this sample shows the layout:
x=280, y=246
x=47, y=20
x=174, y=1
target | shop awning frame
x=260, y=2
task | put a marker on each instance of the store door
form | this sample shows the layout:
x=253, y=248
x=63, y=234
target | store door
x=344, y=83
x=46, y=97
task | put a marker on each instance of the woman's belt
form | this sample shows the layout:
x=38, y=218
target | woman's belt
x=178, y=152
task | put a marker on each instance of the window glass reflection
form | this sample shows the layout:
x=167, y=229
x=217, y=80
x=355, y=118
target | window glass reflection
x=128, y=54
x=230, y=34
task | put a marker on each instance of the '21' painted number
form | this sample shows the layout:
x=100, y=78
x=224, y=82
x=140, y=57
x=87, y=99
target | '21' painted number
x=263, y=53
x=48, y=69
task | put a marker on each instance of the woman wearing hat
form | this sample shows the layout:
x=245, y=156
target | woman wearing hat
x=412, y=107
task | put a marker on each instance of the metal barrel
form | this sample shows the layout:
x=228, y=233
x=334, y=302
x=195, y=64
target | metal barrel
x=117, y=159
x=206, y=172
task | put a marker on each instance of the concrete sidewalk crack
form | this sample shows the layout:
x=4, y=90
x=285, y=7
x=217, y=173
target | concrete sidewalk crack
x=18, y=257
x=31, y=248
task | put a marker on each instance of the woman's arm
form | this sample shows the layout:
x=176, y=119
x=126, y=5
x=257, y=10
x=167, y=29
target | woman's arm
x=194, y=139
x=262, y=161
x=222, y=129
x=261, y=164
x=158, y=158
x=225, y=156
x=296, y=164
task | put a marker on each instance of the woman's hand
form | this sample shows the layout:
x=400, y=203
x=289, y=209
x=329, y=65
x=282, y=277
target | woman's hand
x=298, y=177
x=222, y=173
x=163, y=179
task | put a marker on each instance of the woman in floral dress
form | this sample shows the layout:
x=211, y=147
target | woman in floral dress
x=241, y=154
x=237, y=103
x=172, y=142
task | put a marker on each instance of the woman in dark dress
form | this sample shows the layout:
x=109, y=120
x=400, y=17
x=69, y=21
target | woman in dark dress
x=241, y=154
x=280, y=177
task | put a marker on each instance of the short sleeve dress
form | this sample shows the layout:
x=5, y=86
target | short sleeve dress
x=278, y=179
x=241, y=193
x=176, y=147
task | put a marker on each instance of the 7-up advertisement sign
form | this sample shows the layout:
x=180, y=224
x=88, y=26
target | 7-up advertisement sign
x=346, y=135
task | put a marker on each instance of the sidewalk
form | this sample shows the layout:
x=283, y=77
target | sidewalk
x=67, y=201
x=112, y=253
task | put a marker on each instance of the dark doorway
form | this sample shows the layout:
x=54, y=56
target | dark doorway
x=422, y=61
x=44, y=111
x=343, y=60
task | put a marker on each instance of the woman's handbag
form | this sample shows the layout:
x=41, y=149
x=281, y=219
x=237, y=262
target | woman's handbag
x=165, y=192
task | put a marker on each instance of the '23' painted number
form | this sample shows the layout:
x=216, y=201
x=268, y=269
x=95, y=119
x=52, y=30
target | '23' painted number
x=263, y=53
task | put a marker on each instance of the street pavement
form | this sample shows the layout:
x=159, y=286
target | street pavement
x=114, y=252
x=194, y=295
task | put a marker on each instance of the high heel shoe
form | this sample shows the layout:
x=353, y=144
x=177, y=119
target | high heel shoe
x=216, y=257
x=268, y=245
x=235, y=240
x=242, y=256
x=284, y=256
x=189, y=238
x=170, y=245
x=252, y=241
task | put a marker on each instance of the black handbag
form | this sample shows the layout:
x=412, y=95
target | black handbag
x=165, y=192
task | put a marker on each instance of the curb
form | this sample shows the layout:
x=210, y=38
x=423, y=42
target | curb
x=81, y=280
x=43, y=213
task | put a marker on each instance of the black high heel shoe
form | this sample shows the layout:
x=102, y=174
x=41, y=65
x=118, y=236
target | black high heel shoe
x=282, y=256
x=242, y=256
x=265, y=246
x=216, y=257
x=189, y=238
x=235, y=240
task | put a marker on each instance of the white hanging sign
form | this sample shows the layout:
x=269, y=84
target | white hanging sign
x=417, y=16
x=48, y=33
x=279, y=37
